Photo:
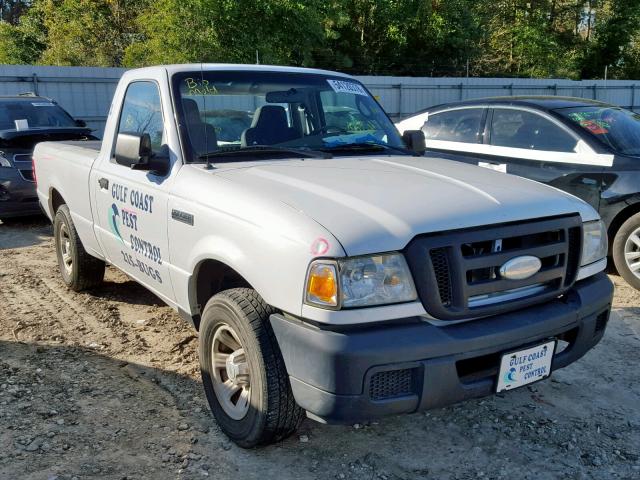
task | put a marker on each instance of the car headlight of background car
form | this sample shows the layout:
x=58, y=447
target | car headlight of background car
x=4, y=161
x=360, y=282
x=594, y=242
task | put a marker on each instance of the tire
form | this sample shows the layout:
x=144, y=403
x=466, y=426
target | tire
x=626, y=252
x=79, y=270
x=239, y=316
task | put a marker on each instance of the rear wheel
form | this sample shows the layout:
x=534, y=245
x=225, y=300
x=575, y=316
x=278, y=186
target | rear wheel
x=79, y=270
x=626, y=250
x=243, y=372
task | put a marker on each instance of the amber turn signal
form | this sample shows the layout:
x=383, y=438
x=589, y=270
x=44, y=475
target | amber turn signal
x=322, y=285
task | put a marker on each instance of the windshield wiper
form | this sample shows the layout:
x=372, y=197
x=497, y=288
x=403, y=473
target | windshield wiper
x=254, y=150
x=365, y=147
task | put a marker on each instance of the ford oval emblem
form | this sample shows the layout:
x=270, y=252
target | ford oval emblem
x=519, y=268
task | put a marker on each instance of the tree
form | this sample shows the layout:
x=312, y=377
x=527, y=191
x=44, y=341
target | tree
x=535, y=38
x=409, y=37
x=616, y=29
x=11, y=10
x=527, y=38
x=631, y=59
x=280, y=31
x=442, y=37
x=9, y=47
x=172, y=31
x=24, y=41
x=88, y=32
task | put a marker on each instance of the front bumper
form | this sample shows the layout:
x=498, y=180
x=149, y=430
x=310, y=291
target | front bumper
x=17, y=196
x=408, y=366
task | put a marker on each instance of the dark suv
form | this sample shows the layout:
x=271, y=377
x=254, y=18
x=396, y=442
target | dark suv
x=24, y=121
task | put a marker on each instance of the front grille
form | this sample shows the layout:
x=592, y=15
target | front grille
x=22, y=162
x=391, y=384
x=458, y=276
x=440, y=263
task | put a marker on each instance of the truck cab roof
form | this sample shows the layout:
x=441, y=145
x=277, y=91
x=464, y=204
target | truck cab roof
x=189, y=67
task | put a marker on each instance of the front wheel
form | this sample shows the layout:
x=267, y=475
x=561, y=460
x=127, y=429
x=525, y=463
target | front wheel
x=79, y=270
x=626, y=251
x=243, y=372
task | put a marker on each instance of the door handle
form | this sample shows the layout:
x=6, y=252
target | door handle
x=104, y=183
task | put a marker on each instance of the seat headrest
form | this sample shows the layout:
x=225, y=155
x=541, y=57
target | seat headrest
x=191, y=111
x=268, y=116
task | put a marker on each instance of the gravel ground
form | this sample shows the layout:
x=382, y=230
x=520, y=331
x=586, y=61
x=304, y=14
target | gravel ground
x=105, y=384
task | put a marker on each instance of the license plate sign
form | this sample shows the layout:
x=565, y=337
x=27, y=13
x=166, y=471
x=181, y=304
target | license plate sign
x=526, y=366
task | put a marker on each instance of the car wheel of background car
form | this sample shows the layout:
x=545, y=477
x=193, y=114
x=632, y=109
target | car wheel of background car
x=626, y=251
x=79, y=269
x=243, y=372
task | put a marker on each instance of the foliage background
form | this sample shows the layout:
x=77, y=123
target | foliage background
x=520, y=38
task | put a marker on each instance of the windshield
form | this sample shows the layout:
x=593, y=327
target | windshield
x=231, y=111
x=33, y=113
x=614, y=127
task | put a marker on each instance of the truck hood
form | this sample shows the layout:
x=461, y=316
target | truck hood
x=378, y=204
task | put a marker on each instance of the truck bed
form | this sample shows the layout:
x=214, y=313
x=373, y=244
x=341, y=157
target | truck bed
x=92, y=146
x=63, y=170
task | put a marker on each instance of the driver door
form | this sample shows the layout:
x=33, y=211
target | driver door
x=131, y=205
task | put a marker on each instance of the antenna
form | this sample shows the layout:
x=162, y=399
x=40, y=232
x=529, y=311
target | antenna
x=204, y=104
x=257, y=58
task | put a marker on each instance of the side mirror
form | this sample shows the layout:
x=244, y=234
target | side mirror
x=414, y=140
x=80, y=123
x=134, y=150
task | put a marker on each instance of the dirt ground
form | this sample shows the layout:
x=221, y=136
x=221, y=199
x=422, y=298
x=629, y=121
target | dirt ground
x=105, y=384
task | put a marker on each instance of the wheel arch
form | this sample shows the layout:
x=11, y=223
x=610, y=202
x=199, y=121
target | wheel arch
x=211, y=276
x=619, y=218
x=55, y=201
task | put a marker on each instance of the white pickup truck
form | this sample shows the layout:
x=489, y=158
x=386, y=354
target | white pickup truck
x=327, y=270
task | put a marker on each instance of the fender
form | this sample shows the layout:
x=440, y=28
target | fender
x=273, y=278
x=621, y=195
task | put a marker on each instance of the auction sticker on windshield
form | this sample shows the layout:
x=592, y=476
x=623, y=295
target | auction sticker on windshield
x=342, y=86
x=525, y=366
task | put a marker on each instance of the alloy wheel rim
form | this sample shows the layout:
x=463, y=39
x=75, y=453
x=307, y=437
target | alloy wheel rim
x=632, y=252
x=231, y=378
x=64, y=240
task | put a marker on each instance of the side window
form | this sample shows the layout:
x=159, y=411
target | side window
x=521, y=129
x=142, y=112
x=461, y=125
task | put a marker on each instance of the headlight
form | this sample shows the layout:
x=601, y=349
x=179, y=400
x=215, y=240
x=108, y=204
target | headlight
x=594, y=242
x=361, y=281
x=4, y=161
